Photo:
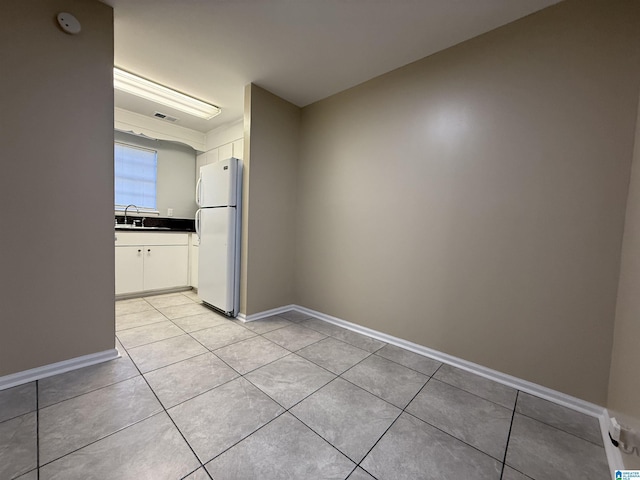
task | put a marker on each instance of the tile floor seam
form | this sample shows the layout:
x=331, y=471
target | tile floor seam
x=385, y=432
x=199, y=394
x=406, y=366
x=298, y=402
x=456, y=438
x=269, y=363
x=240, y=375
x=102, y=387
x=444, y=431
x=101, y=438
x=17, y=416
x=393, y=423
x=516, y=470
x=165, y=410
x=402, y=410
x=232, y=343
x=377, y=396
x=558, y=428
x=368, y=451
x=208, y=350
x=244, y=438
x=325, y=368
x=358, y=333
x=475, y=394
x=137, y=326
x=220, y=358
x=194, y=471
x=169, y=364
x=155, y=341
x=292, y=351
x=324, y=439
x=506, y=448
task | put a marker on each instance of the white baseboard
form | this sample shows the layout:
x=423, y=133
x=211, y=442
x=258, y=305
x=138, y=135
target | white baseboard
x=38, y=373
x=267, y=313
x=614, y=457
x=508, y=380
x=151, y=293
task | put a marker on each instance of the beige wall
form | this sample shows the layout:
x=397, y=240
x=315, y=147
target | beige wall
x=473, y=202
x=271, y=155
x=56, y=187
x=624, y=382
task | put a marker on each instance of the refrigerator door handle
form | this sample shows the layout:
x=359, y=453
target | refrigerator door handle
x=197, y=222
x=199, y=191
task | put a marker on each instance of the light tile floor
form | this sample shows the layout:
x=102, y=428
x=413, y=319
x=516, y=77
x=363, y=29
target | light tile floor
x=197, y=396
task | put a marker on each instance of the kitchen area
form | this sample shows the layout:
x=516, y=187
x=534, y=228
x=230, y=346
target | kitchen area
x=157, y=241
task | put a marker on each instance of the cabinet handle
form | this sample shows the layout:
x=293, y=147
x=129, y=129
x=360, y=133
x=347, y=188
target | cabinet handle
x=148, y=250
x=139, y=250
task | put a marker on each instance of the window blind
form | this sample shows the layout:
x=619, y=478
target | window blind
x=135, y=176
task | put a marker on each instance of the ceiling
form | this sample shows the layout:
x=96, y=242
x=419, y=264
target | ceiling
x=301, y=50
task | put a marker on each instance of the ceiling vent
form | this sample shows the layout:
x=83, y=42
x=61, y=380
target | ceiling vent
x=164, y=116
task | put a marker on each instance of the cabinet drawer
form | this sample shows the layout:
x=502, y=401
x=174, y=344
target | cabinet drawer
x=151, y=238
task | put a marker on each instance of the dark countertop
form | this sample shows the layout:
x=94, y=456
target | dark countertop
x=152, y=229
x=160, y=224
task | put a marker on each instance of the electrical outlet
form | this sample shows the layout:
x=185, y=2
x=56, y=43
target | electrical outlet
x=624, y=437
x=169, y=212
x=614, y=430
x=630, y=440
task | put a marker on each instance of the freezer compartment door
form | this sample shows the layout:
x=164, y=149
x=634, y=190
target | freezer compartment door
x=216, y=257
x=217, y=184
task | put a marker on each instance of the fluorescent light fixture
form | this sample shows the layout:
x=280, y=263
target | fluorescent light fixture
x=141, y=87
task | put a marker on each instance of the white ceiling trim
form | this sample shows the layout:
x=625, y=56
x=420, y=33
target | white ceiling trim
x=130, y=122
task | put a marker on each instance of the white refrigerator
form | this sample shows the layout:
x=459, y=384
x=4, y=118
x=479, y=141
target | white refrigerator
x=218, y=195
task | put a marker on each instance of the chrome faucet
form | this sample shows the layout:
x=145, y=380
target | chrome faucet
x=125, y=212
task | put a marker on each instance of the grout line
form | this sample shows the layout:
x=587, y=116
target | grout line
x=286, y=410
x=164, y=410
x=404, y=410
x=102, y=438
x=559, y=429
x=156, y=341
x=410, y=368
x=506, y=448
x=475, y=394
x=92, y=390
x=143, y=325
x=246, y=437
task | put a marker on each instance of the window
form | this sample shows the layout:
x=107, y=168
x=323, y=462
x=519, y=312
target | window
x=135, y=177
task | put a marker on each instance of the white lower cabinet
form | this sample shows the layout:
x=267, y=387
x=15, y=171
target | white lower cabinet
x=166, y=266
x=129, y=270
x=193, y=260
x=151, y=261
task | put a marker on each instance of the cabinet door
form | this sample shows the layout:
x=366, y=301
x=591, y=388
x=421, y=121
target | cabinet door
x=166, y=266
x=129, y=268
x=238, y=148
x=225, y=151
x=193, y=263
x=200, y=161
